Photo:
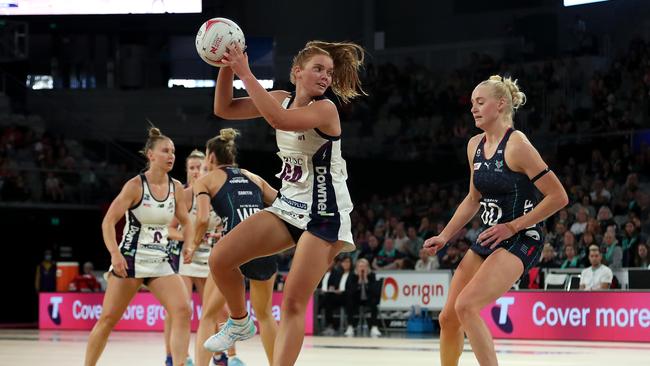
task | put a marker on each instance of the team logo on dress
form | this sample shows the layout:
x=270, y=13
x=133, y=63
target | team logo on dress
x=53, y=309
x=498, y=165
x=491, y=214
x=500, y=314
x=477, y=166
x=533, y=234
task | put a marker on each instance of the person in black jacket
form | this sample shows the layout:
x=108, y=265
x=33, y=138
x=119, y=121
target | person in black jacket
x=362, y=288
x=333, y=295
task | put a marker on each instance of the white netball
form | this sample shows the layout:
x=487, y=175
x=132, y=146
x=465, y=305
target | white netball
x=214, y=36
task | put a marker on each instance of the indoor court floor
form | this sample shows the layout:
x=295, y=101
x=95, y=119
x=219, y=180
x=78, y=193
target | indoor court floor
x=58, y=348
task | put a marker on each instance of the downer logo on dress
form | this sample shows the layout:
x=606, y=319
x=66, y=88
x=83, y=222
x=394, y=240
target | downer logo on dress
x=500, y=314
x=53, y=309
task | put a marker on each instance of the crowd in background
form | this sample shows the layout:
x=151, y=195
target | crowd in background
x=410, y=111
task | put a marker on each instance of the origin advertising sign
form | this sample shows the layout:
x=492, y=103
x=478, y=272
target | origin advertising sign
x=80, y=311
x=585, y=316
x=403, y=289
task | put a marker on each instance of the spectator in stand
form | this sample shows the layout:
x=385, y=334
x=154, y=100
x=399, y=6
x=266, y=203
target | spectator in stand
x=86, y=282
x=370, y=250
x=425, y=230
x=400, y=238
x=53, y=188
x=580, y=225
x=613, y=251
x=548, y=258
x=641, y=258
x=557, y=235
x=568, y=239
x=571, y=259
x=473, y=232
x=599, y=195
x=586, y=241
x=451, y=259
x=333, y=297
x=605, y=218
x=45, y=280
x=362, y=288
x=598, y=276
x=388, y=256
x=427, y=263
x=414, y=243
x=564, y=217
x=629, y=242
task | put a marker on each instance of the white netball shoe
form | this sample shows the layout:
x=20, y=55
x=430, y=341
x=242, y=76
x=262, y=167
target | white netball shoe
x=230, y=333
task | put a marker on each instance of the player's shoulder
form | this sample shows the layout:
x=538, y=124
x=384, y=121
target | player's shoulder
x=519, y=137
x=280, y=95
x=133, y=183
x=177, y=184
x=475, y=140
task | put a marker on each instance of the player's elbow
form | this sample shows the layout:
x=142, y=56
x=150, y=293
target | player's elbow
x=201, y=221
x=276, y=121
x=563, y=198
x=221, y=111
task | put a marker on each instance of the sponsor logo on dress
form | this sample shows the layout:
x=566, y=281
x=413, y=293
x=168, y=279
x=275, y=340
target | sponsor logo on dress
x=245, y=212
x=321, y=187
x=160, y=247
x=292, y=203
x=128, y=238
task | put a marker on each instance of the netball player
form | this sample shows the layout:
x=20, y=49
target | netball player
x=195, y=272
x=234, y=194
x=313, y=207
x=150, y=201
x=506, y=172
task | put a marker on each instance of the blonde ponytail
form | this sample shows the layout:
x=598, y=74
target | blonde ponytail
x=223, y=146
x=506, y=87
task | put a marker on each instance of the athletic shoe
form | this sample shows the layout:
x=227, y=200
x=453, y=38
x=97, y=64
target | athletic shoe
x=235, y=361
x=229, y=334
x=349, y=332
x=169, y=361
x=221, y=361
x=189, y=361
x=374, y=332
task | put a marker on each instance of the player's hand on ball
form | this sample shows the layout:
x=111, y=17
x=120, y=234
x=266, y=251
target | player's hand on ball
x=237, y=60
x=434, y=244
